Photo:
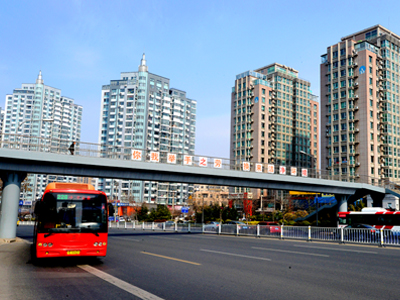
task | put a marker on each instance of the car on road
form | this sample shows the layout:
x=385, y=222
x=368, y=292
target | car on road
x=268, y=227
x=168, y=224
x=210, y=226
x=242, y=225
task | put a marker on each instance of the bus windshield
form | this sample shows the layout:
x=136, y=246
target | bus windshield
x=72, y=213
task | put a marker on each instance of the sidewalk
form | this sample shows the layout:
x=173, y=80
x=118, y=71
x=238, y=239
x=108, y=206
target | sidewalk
x=9, y=241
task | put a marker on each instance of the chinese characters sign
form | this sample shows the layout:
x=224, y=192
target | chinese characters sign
x=187, y=160
x=282, y=170
x=137, y=155
x=271, y=169
x=154, y=156
x=293, y=171
x=217, y=163
x=171, y=158
x=203, y=162
x=246, y=166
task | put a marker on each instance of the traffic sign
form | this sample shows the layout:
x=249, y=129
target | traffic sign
x=185, y=210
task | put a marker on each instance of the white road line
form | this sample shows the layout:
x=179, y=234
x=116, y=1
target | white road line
x=292, y=252
x=336, y=249
x=233, y=254
x=142, y=294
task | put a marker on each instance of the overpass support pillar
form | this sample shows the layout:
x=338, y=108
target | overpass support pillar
x=342, y=202
x=377, y=199
x=9, y=204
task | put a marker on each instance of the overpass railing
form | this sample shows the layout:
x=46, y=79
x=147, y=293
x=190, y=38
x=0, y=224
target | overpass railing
x=66, y=147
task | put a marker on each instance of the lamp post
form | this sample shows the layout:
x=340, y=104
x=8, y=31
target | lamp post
x=23, y=122
x=312, y=158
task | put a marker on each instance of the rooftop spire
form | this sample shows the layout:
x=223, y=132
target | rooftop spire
x=39, y=80
x=143, y=67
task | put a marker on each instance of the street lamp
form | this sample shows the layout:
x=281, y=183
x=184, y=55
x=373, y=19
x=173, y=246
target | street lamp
x=312, y=158
x=23, y=122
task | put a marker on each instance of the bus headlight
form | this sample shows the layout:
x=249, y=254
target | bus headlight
x=95, y=244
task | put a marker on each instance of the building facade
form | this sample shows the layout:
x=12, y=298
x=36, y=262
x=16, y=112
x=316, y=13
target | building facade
x=205, y=195
x=274, y=119
x=141, y=111
x=360, y=105
x=37, y=113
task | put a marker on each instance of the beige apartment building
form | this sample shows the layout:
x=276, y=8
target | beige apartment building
x=274, y=119
x=360, y=105
x=209, y=195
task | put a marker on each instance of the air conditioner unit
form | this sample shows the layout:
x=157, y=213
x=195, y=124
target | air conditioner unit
x=357, y=129
x=357, y=163
x=357, y=175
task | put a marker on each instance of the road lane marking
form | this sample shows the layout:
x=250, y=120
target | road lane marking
x=172, y=258
x=288, y=251
x=336, y=249
x=138, y=292
x=234, y=254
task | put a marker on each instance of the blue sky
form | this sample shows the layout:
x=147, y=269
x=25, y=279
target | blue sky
x=199, y=45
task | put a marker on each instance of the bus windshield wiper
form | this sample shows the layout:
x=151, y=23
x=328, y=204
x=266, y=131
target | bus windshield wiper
x=90, y=230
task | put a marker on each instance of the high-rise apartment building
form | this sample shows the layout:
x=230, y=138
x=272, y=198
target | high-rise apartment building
x=360, y=105
x=142, y=111
x=1, y=119
x=274, y=118
x=35, y=112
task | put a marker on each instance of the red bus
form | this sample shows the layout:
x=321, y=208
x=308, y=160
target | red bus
x=378, y=217
x=71, y=220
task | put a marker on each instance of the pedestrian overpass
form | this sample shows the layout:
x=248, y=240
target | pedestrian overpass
x=43, y=157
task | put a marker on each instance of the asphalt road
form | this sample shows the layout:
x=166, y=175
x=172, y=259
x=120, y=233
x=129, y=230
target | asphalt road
x=158, y=265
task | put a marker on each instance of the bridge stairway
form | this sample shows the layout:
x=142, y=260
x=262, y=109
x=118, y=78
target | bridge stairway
x=311, y=216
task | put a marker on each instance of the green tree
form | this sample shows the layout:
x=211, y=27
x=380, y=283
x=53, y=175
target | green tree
x=142, y=213
x=161, y=213
x=357, y=206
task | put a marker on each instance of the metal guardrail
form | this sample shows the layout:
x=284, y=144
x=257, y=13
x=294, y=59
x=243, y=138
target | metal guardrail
x=59, y=146
x=380, y=237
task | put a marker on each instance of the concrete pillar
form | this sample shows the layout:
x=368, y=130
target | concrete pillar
x=377, y=199
x=342, y=202
x=9, y=204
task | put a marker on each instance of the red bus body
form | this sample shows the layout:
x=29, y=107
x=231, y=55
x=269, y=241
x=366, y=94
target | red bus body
x=85, y=233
